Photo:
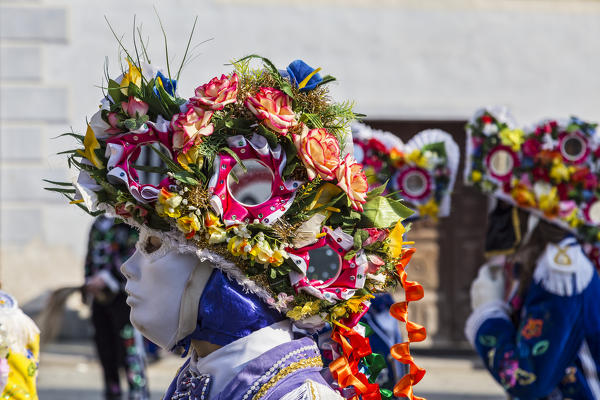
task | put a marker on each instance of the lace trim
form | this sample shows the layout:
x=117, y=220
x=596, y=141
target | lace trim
x=176, y=240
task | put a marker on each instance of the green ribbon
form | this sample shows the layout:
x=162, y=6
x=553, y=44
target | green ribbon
x=386, y=394
x=374, y=363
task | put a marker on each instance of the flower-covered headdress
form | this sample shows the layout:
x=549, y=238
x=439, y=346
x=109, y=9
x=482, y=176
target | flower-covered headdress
x=259, y=178
x=551, y=169
x=422, y=171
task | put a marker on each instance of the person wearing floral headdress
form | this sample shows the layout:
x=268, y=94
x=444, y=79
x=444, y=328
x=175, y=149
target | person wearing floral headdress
x=258, y=177
x=536, y=314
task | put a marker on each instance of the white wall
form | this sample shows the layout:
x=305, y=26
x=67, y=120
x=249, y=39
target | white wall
x=410, y=59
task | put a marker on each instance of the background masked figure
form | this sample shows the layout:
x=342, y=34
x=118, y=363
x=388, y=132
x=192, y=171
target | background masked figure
x=544, y=338
x=536, y=309
x=117, y=342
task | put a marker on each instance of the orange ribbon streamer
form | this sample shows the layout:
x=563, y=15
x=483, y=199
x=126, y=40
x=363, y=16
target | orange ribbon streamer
x=416, y=333
x=355, y=347
x=345, y=368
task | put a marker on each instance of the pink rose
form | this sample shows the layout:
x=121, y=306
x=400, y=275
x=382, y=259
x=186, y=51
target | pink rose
x=217, y=93
x=113, y=121
x=353, y=181
x=134, y=107
x=319, y=150
x=375, y=235
x=189, y=127
x=273, y=108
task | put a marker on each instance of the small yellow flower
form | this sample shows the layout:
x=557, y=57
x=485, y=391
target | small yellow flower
x=238, y=246
x=523, y=196
x=574, y=221
x=168, y=204
x=418, y=158
x=559, y=171
x=192, y=156
x=430, y=209
x=395, y=240
x=214, y=228
x=133, y=75
x=397, y=157
x=309, y=308
x=91, y=144
x=476, y=176
x=513, y=138
x=548, y=203
x=188, y=224
x=355, y=304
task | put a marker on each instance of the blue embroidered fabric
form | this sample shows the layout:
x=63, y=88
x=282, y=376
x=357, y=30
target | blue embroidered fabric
x=554, y=350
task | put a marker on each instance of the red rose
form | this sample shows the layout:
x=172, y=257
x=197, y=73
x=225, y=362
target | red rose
x=486, y=119
x=531, y=147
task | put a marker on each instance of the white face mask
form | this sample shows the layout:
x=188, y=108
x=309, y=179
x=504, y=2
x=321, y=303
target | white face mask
x=164, y=288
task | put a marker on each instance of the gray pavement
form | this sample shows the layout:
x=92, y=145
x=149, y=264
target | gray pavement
x=71, y=372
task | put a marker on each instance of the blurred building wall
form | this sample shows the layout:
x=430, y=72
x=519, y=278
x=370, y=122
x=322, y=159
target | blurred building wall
x=438, y=59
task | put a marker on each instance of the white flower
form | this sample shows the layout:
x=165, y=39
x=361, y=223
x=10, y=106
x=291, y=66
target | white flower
x=548, y=143
x=490, y=129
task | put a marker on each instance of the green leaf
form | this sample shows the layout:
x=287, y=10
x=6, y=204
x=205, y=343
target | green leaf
x=174, y=167
x=383, y=212
x=572, y=128
x=59, y=190
x=150, y=168
x=287, y=89
x=58, y=183
x=376, y=191
x=438, y=147
x=269, y=135
x=75, y=135
x=114, y=91
x=313, y=119
x=185, y=177
x=236, y=157
x=326, y=79
x=359, y=237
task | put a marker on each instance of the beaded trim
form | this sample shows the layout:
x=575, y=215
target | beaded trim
x=306, y=363
x=189, y=387
x=277, y=366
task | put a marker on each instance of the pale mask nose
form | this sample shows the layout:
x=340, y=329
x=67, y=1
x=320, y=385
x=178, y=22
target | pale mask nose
x=131, y=267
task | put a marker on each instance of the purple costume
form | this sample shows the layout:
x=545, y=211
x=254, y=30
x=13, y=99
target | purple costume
x=272, y=375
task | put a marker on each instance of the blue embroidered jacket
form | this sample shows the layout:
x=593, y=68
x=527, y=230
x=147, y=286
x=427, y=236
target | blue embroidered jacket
x=554, y=351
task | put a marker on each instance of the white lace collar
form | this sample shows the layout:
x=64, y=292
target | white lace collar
x=563, y=269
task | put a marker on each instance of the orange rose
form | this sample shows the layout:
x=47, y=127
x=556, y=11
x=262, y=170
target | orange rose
x=353, y=181
x=319, y=150
x=273, y=108
x=190, y=126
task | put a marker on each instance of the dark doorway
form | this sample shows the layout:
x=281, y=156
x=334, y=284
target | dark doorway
x=451, y=250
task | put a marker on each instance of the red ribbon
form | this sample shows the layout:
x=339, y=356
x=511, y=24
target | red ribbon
x=345, y=368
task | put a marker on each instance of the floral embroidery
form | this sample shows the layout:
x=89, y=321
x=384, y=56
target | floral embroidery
x=533, y=328
x=540, y=347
